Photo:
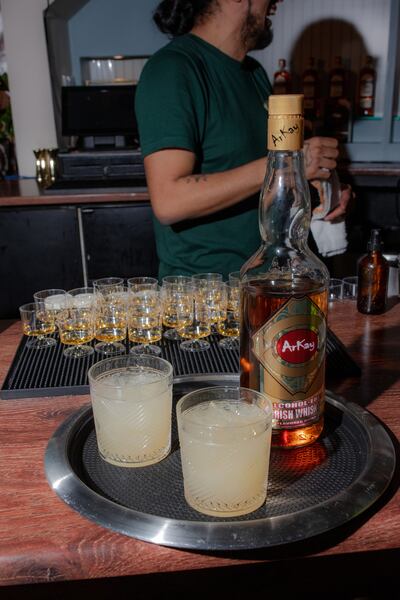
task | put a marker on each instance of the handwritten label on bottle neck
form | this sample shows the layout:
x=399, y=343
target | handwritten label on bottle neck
x=285, y=132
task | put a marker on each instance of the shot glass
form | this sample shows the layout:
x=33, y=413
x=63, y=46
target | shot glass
x=174, y=290
x=37, y=324
x=335, y=291
x=350, y=287
x=230, y=327
x=225, y=440
x=145, y=321
x=132, y=403
x=234, y=277
x=138, y=284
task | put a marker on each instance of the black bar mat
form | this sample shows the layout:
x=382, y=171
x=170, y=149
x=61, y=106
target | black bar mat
x=47, y=372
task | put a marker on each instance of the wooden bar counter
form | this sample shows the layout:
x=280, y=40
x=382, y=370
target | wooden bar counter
x=43, y=540
x=26, y=192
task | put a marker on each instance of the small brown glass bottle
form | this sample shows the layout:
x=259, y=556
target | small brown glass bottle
x=373, y=271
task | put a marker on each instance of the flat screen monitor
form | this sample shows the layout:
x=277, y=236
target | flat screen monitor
x=99, y=110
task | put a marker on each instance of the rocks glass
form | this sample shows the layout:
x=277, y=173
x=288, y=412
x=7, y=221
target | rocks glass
x=132, y=403
x=225, y=440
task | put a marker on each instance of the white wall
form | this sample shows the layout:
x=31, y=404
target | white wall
x=29, y=79
x=350, y=28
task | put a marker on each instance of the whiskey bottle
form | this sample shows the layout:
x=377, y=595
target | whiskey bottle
x=284, y=290
x=337, y=118
x=282, y=79
x=373, y=272
x=337, y=79
x=366, y=95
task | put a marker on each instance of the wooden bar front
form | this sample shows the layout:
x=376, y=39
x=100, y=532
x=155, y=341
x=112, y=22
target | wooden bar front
x=43, y=540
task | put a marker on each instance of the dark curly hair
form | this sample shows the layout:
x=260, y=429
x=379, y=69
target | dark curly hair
x=176, y=17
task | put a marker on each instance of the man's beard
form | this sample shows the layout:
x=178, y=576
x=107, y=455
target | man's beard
x=256, y=35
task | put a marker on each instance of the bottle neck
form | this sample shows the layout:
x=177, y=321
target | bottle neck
x=285, y=208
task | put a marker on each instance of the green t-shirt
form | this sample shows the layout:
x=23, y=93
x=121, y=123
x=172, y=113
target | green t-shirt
x=195, y=97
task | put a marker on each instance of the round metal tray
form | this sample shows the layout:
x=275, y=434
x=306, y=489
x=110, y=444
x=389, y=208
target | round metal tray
x=310, y=490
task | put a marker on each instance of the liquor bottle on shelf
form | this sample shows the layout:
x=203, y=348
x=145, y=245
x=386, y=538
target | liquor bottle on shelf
x=337, y=79
x=284, y=290
x=337, y=118
x=282, y=79
x=373, y=272
x=366, y=94
x=311, y=90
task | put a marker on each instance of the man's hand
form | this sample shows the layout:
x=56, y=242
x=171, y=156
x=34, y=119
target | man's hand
x=346, y=195
x=320, y=155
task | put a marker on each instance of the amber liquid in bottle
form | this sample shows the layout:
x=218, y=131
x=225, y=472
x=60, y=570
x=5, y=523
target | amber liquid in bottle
x=284, y=292
x=259, y=302
x=373, y=272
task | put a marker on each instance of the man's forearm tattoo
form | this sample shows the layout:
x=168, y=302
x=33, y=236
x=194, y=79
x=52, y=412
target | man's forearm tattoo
x=198, y=177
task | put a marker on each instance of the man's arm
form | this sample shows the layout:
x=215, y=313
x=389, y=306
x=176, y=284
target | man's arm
x=178, y=194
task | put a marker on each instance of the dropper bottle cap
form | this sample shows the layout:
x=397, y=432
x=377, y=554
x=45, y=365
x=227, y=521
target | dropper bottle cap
x=375, y=242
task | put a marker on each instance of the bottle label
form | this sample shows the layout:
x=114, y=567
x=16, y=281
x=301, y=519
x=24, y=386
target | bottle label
x=285, y=132
x=367, y=88
x=336, y=87
x=366, y=102
x=290, y=348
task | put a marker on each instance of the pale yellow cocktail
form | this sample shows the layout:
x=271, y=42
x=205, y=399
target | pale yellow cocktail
x=132, y=409
x=225, y=439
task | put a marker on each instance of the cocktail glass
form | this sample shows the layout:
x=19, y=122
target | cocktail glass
x=132, y=402
x=225, y=440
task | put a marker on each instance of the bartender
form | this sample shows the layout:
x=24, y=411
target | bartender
x=200, y=107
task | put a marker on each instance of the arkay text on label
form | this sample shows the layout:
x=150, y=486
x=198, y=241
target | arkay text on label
x=297, y=346
x=284, y=133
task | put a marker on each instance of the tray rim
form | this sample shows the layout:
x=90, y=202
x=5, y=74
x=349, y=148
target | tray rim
x=225, y=535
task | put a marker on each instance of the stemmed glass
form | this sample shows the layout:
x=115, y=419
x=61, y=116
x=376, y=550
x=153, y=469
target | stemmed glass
x=142, y=283
x=230, y=326
x=111, y=318
x=108, y=285
x=76, y=323
x=174, y=290
x=37, y=323
x=215, y=295
x=50, y=304
x=234, y=277
x=208, y=277
x=51, y=301
x=198, y=323
x=145, y=321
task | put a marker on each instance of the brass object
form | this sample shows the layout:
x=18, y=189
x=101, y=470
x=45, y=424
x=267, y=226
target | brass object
x=46, y=165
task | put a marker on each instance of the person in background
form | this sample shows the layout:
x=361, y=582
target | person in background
x=200, y=106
